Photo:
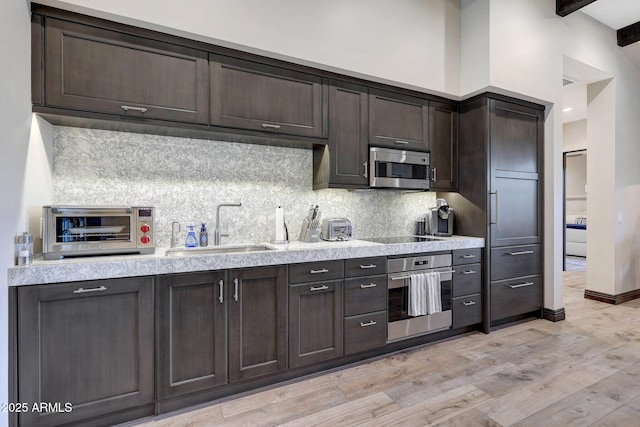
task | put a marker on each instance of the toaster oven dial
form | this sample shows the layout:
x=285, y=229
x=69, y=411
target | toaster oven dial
x=145, y=228
x=145, y=239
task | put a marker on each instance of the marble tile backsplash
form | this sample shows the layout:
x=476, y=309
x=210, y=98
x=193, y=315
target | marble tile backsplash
x=185, y=179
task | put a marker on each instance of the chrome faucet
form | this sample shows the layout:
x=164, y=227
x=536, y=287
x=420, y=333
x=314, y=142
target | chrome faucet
x=175, y=239
x=217, y=234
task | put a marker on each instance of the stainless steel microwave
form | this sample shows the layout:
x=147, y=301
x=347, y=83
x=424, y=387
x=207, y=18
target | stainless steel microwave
x=73, y=231
x=399, y=169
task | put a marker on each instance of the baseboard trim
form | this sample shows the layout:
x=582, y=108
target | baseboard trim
x=612, y=299
x=554, y=315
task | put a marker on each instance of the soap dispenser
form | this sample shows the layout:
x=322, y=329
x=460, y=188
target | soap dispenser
x=204, y=235
x=191, y=241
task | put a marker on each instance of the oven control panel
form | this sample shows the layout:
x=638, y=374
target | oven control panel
x=144, y=219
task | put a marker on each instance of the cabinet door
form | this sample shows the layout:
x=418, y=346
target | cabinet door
x=86, y=343
x=257, y=321
x=516, y=190
x=315, y=322
x=253, y=96
x=98, y=70
x=343, y=162
x=398, y=121
x=443, y=142
x=191, y=332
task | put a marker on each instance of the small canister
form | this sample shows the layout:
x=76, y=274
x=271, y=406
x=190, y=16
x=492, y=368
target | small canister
x=421, y=227
x=24, y=249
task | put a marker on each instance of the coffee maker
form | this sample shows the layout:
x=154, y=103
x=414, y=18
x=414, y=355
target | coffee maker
x=440, y=219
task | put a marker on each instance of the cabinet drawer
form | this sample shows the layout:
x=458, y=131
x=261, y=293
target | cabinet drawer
x=515, y=261
x=467, y=310
x=365, y=332
x=513, y=297
x=315, y=271
x=467, y=279
x=365, y=266
x=365, y=294
x=467, y=256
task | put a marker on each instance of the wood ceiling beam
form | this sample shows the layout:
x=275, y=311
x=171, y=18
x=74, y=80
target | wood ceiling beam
x=629, y=34
x=565, y=7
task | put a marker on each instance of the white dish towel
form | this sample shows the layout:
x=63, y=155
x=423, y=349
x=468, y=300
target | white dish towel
x=418, y=295
x=434, y=299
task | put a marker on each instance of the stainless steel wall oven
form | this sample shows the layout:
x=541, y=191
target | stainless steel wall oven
x=401, y=324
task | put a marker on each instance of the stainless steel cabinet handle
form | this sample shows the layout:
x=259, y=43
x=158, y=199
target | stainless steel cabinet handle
x=521, y=285
x=402, y=142
x=324, y=270
x=469, y=272
x=370, y=285
x=127, y=108
x=221, y=297
x=365, y=166
x=318, y=288
x=370, y=323
x=520, y=253
x=435, y=174
x=270, y=126
x=84, y=291
x=494, y=208
x=468, y=256
x=365, y=267
x=235, y=287
x=467, y=303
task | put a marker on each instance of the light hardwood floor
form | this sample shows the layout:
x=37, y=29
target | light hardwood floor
x=584, y=371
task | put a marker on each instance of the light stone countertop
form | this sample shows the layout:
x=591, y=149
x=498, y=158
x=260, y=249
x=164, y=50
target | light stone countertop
x=114, y=266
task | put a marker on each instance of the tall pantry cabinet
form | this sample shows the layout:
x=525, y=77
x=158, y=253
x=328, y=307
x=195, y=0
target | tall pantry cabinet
x=501, y=199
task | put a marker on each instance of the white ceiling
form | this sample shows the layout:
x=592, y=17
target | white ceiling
x=614, y=13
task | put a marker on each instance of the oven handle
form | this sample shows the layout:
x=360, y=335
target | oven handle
x=445, y=276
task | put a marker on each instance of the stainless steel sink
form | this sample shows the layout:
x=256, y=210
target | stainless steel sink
x=218, y=250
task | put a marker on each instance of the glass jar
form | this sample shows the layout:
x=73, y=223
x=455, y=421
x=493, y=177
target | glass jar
x=24, y=249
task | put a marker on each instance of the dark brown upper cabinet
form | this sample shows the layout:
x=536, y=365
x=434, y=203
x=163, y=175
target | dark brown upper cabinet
x=398, y=121
x=97, y=70
x=253, y=96
x=443, y=143
x=343, y=161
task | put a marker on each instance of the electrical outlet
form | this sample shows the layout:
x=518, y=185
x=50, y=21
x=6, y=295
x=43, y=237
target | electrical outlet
x=619, y=217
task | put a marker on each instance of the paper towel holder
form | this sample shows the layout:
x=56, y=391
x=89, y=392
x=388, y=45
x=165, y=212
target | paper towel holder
x=281, y=236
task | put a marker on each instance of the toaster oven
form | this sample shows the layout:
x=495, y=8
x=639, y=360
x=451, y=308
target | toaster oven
x=75, y=231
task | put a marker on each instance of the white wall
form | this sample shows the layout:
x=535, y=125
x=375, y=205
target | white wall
x=414, y=42
x=15, y=122
x=574, y=136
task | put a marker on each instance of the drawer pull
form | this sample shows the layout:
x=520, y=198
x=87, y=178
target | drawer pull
x=221, y=297
x=402, y=142
x=366, y=267
x=520, y=253
x=521, y=285
x=469, y=272
x=84, y=291
x=235, y=289
x=468, y=303
x=324, y=270
x=370, y=285
x=467, y=256
x=370, y=323
x=127, y=108
x=270, y=126
x=319, y=288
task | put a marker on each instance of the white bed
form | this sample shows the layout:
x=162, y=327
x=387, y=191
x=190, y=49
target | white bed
x=576, y=228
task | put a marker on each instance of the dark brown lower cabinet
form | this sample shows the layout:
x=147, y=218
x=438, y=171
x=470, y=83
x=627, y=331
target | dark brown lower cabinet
x=257, y=321
x=315, y=322
x=191, y=332
x=516, y=296
x=87, y=344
